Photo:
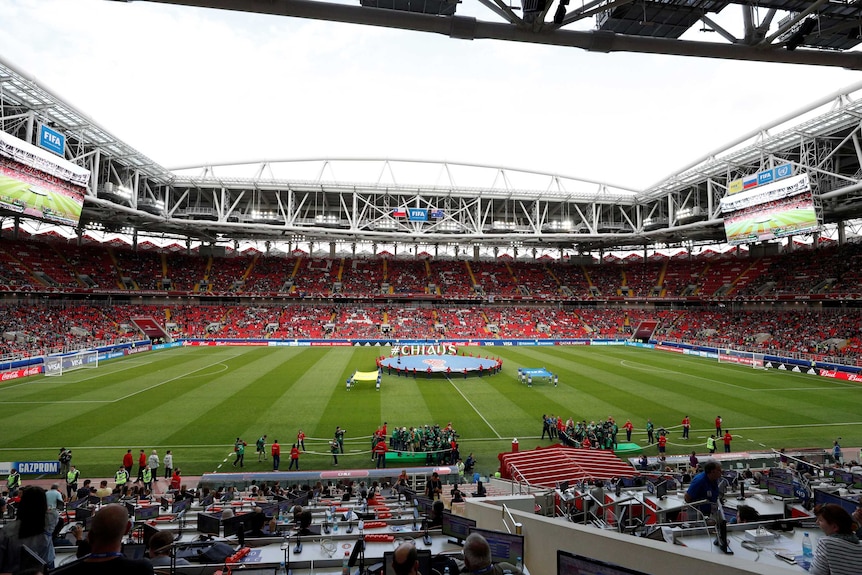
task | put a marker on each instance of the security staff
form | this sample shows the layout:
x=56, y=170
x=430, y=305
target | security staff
x=121, y=477
x=72, y=481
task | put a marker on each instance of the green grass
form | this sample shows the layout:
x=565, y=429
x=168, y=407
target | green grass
x=196, y=400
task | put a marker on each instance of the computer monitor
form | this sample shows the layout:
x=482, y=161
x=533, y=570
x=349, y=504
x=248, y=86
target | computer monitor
x=822, y=498
x=163, y=501
x=661, y=489
x=81, y=513
x=29, y=559
x=571, y=564
x=146, y=513
x=284, y=507
x=180, y=505
x=134, y=550
x=563, y=485
x=269, y=509
x=842, y=476
x=779, y=488
x=730, y=514
x=149, y=531
x=423, y=504
x=233, y=524
x=207, y=501
x=301, y=500
x=455, y=526
x=78, y=502
x=780, y=473
x=629, y=482
x=208, y=523
x=422, y=555
x=112, y=498
x=504, y=546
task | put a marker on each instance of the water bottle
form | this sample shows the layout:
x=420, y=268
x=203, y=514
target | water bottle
x=807, y=550
x=519, y=564
x=282, y=570
x=361, y=526
x=345, y=564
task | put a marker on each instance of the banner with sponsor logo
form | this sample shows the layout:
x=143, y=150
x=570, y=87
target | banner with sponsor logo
x=834, y=374
x=17, y=373
x=37, y=467
x=137, y=349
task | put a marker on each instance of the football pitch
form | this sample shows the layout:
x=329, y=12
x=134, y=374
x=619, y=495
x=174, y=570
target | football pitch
x=197, y=400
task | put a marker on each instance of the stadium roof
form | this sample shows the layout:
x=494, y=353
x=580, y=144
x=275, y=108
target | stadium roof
x=824, y=33
x=368, y=200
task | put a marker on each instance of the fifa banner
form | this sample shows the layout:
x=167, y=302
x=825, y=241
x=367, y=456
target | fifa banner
x=70, y=362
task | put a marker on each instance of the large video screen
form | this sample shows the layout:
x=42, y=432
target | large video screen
x=776, y=210
x=37, y=184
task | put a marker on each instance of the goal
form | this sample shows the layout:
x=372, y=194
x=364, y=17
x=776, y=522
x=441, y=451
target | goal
x=60, y=364
x=754, y=360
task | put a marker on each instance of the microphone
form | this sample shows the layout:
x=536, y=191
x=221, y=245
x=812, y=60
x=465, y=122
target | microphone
x=426, y=539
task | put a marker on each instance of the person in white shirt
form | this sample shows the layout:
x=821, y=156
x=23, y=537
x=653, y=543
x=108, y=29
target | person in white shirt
x=169, y=464
x=153, y=464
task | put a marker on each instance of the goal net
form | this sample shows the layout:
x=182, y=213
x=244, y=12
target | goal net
x=754, y=360
x=60, y=364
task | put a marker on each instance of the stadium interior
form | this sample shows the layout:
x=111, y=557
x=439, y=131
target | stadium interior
x=101, y=246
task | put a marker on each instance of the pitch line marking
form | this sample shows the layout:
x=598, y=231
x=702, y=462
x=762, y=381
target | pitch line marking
x=470, y=440
x=72, y=382
x=470, y=403
x=222, y=370
x=837, y=385
x=134, y=393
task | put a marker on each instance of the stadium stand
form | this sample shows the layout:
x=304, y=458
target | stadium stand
x=718, y=300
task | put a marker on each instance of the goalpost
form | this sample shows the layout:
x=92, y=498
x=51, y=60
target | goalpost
x=59, y=364
x=751, y=359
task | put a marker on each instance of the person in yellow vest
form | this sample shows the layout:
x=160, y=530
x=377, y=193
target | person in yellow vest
x=121, y=477
x=13, y=483
x=710, y=443
x=147, y=478
x=72, y=481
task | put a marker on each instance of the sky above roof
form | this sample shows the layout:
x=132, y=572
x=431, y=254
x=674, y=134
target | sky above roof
x=187, y=86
